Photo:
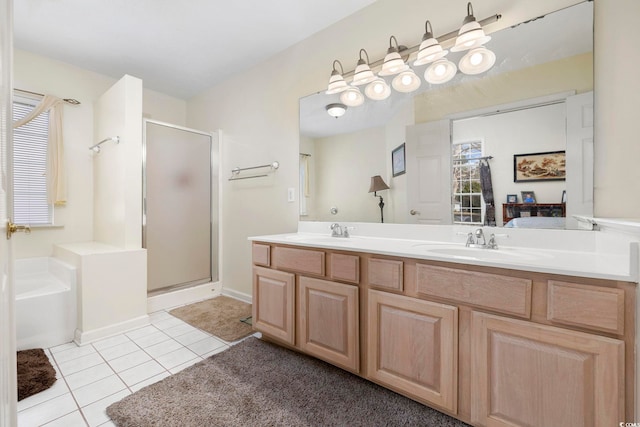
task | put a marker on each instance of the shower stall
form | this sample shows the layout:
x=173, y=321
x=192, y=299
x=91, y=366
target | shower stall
x=180, y=206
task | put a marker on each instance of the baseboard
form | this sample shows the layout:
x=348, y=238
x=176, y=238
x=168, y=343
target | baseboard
x=86, y=337
x=237, y=295
x=183, y=296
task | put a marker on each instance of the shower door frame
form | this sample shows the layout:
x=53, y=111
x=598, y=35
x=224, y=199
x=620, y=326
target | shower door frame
x=217, y=232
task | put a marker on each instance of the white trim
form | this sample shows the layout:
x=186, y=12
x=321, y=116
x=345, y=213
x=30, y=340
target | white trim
x=183, y=296
x=232, y=293
x=86, y=337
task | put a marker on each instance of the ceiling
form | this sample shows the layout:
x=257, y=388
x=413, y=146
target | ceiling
x=176, y=47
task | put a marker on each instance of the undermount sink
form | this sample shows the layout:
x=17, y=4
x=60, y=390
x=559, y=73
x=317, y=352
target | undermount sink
x=463, y=252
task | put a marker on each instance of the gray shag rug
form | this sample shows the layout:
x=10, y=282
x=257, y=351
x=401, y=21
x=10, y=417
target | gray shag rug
x=256, y=383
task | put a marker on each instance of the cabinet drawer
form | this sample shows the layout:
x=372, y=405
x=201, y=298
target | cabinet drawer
x=386, y=273
x=301, y=260
x=261, y=254
x=504, y=294
x=345, y=267
x=592, y=307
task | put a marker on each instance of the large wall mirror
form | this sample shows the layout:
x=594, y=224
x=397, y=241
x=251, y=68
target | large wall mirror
x=529, y=120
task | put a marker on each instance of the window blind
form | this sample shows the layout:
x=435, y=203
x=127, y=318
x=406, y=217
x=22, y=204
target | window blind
x=30, y=205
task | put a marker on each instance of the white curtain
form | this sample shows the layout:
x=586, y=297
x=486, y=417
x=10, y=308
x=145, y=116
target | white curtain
x=56, y=180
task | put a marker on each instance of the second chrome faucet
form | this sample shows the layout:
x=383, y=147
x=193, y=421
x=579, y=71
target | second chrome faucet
x=477, y=240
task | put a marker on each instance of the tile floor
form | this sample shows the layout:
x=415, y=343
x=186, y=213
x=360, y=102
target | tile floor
x=93, y=376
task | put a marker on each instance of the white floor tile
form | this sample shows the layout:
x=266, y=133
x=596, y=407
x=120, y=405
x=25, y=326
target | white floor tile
x=206, y=345
x=47, y=411
x=141, y=372
x=73, y=353
x=129, y=361
x=63, y=347
x=95, y=413
x=179, y=368
x=111, y=353
x=176, y=357
x=111, y=341
x=168, y=323
x=87, y=376
x=151, y=339
x=57, y=389
x=81, y=363
x=98, y=390
x=216, y=351
x=191, y=337
x=158, y=316
x=164, y=347
x=73, y=419
x=141, y=332
x=108, y=424
x=181, y=329
x=154, y=379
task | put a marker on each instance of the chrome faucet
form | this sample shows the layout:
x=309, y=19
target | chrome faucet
x=477, y=240
x=336, y=230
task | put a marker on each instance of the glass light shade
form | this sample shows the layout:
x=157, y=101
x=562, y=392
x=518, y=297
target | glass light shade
x=377, y=90
x=393, y=64
x=440, y=71
x=470, y=35
x=336, y=83
x=336, y=110
x=352, y=97
x=430, y=50
x=477, y=61
x=363, y=74
x=407, y=81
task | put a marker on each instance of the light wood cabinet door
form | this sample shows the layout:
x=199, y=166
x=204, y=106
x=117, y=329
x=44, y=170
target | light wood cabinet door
x=413, y=347
x=526, y=374
x=328, y=321
x=273, y=303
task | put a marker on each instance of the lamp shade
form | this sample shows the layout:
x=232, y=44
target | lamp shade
x=470, y=34
x=430, y=50
x=393, y=62
x=363, y=73
x=440, y=71
x=377, y=90
x=352, y=97
x=336, y=81
x=336, y=110
x=407, y=81
x=377, y=184
x=477, y=61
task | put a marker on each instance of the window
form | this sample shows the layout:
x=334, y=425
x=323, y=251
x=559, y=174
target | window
x=30, y=205
x=467, y=190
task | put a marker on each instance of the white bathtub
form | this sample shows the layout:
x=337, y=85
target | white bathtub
x=45, y=302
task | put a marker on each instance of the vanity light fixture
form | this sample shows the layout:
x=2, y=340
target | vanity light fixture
x=406, y=81
x=352, y=97
x=440, y=71
x=430, y=50
x=477, y=60
x=336, y=81
x=363, y=73
x=336, y=110
x=470, y=34
x=377, y=90
x=393, y=62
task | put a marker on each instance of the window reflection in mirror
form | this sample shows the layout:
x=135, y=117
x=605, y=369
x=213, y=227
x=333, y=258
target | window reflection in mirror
x=545, y=61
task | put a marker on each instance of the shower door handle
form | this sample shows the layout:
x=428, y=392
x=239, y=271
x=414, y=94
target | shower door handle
x=12, y=228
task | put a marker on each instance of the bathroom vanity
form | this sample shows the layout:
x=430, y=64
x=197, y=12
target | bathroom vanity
x=515, y=336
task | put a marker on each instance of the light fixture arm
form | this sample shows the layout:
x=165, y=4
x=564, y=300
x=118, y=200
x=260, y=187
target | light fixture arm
x=339, y=63
x=391, y=47
x=428, y=30
x=360, y=60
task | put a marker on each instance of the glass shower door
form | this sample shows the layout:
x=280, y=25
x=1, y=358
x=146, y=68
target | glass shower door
x=177, y=206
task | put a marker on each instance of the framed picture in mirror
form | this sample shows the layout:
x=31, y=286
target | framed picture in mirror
x=398, y=165
x=512, y=198
x=549, y=166
x=528, y=197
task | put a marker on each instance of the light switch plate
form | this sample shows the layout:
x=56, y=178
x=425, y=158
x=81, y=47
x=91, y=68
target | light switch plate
x=291, y=194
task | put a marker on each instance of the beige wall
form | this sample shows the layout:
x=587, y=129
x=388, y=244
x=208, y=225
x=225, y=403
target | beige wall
x=258, y=109
x=40, y=74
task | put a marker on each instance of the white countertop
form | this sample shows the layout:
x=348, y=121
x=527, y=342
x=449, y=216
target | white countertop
x=601, y=264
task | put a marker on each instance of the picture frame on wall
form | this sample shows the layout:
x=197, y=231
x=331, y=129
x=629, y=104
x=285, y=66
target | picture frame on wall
x=398, y=159
x=528, y=197
x=548, y=166
x=512, y=198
